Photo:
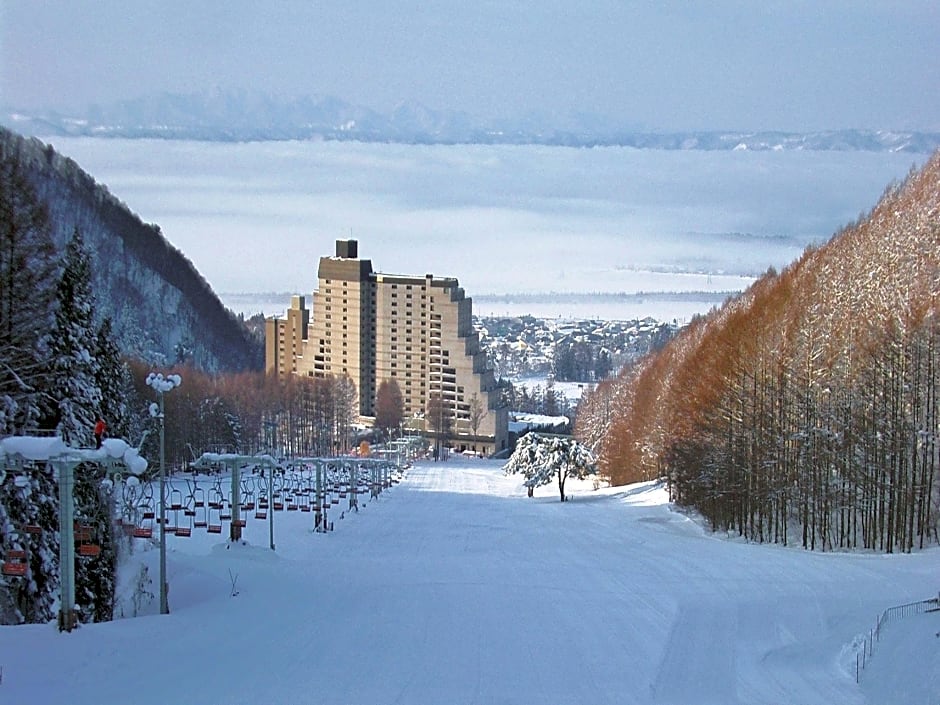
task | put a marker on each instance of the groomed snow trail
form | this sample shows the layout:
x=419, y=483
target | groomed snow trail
x=453, y=587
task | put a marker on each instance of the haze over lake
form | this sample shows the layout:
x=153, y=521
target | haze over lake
x=256, y=217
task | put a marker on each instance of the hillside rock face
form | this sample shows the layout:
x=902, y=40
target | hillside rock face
x=162, y=309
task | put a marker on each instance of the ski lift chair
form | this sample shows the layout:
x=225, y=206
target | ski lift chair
x=214, y=519
x=14, y=562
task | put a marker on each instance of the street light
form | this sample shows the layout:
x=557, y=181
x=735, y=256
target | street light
x=161, y=385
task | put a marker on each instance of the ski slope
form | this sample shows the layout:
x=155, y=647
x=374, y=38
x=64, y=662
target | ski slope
x=453, y=587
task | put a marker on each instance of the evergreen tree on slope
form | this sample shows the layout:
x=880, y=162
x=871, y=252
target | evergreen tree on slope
x=27, y=263
x=73, y=346
x=115, y=385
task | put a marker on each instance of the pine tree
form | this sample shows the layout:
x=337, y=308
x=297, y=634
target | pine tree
x=27, y=263
x=71, y=344
x=114, y=382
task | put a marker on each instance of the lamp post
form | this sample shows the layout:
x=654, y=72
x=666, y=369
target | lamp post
x=441, y=426
x=161, y=385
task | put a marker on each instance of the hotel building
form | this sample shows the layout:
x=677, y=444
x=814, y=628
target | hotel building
x=373, y=327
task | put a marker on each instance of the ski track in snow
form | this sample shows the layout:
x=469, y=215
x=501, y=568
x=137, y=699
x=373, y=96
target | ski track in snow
x=453, y=587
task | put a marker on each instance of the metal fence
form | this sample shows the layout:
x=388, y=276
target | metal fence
x=864, y=651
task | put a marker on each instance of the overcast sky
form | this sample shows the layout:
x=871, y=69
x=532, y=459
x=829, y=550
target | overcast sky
x=664, y=65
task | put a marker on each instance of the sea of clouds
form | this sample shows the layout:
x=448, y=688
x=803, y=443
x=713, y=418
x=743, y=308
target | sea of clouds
x=255, y=217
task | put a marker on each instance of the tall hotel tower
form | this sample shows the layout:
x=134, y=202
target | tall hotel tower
x=373, y=327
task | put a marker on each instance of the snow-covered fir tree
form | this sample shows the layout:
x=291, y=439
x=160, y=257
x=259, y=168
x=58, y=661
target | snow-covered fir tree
x=73, y=346
x=74, y=394
x=115, y=384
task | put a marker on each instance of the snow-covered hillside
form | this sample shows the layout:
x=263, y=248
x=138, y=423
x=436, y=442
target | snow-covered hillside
x=453, y=587
x=161, y=308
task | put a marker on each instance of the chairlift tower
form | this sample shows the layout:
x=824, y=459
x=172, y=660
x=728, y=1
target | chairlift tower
x=64, y=459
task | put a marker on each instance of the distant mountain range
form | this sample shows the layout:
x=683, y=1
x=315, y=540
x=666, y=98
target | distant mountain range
x=253, y=116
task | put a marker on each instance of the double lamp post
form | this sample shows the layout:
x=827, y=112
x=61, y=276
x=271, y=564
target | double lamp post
x=161, y=385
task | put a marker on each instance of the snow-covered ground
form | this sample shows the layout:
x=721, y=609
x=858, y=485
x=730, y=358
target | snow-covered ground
x=453, y=587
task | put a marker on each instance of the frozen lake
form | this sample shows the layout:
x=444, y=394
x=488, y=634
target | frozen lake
x=255, y=217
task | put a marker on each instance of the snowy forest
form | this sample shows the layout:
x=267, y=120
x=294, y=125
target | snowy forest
x=803, y=412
